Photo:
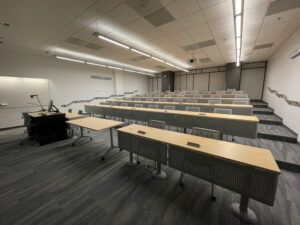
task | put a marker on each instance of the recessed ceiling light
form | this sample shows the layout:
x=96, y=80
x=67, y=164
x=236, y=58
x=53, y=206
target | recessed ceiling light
x=238, y=7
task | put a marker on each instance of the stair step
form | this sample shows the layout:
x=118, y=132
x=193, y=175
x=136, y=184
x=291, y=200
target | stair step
x=269, y=119
x=259, y=104
x=286, y=154
x=276, y=132
x=266, y=111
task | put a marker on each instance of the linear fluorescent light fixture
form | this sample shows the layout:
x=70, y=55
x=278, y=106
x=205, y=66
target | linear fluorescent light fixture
x=112, y=41
x=157, y=59
x=68, y=59
x=134, y=50
x=115, y=68
x=238, y=7
x=101, y=65
x=238, y=43
x=96, y=64
x=140, y=52
x=238, y=25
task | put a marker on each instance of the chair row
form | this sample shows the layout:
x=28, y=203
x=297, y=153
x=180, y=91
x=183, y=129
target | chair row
x=172, y=107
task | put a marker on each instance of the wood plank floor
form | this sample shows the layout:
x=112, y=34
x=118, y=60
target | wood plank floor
x=60, y=184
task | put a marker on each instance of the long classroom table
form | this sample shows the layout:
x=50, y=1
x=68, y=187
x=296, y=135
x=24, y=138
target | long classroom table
x=193, y=95
x=204, y=107
x=199, y=100
x=249, y=171
x=236, y=125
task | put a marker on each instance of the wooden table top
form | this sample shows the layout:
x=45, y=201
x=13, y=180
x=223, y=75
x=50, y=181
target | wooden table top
x=96, y=124
x=242, y=154
x=188, y=113
x=72, y=116
x=185, y=103
x=212, y=98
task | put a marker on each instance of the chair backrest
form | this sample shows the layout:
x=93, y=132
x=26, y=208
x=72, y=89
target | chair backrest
x=124, y=104
x=216, y=96
x=70, y=110
x=169, y=107
x=163, y=100
x=138, y=105
x=189, y=96
x=202, y=132
x=149, y=99
x=241, y=96
x=192, y=108
x=240, y=102
x=206, y=96
x=157, y=124
x=178, y=100
x=153, y=106
x=223, y=111
x=214, y=101
x=229, y=89
x=113, y=103
x=191, y=101
x=80, y=111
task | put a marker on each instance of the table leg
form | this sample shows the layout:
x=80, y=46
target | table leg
x=81, y=136
x=111, y=144
x=158, y=173
x=241, y=210
x=131, y=161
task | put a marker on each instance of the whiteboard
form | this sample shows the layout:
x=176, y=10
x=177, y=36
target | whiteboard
x=15, y=96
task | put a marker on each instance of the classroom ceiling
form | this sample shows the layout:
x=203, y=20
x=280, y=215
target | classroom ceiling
x=173, y=30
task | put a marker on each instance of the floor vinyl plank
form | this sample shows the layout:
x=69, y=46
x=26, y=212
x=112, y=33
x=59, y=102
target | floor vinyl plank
x=61, y=184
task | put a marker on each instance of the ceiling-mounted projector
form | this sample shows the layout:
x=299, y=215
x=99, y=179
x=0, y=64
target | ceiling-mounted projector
x=295, y=53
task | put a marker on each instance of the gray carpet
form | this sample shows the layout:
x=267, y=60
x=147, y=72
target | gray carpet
x=59, y=184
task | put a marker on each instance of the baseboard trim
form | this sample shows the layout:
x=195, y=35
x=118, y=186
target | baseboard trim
x=10, y=128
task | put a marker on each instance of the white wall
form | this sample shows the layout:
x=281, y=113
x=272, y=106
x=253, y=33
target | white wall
x=283, y=75
x=69, y=80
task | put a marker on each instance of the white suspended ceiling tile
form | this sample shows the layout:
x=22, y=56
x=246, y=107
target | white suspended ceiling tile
x=152, y=34
x=284, y=16
x=203, y=37
x=252, y=26
x=208, y=3
x=191, y=20
x=123, y=14
x=104, y=6
x=185, y=42
x=198, y=30
x=225, y=22
x=170, y=28
x=140, y=25
x=178, y=36
x=217, y=11
x=166, y=2
x=271, y=28
x=248, y=4
x=255, y=13
x=181, y=8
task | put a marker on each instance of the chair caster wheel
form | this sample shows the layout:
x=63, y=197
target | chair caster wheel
x=21, y=144
x=91, y=138
x=73, y=144
x=213, y=198
x=102, y=158
x=138, y=162
x=181, y=184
